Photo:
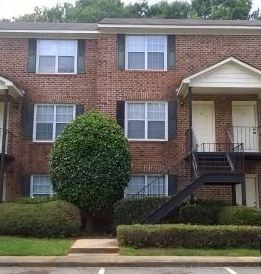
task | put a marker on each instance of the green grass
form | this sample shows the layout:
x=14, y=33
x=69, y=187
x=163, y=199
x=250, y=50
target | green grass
x=18, y=246
x=130, y=251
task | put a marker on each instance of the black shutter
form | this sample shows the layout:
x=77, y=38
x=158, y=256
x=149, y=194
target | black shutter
x=172, y=119
x=121, y=113
x=171, y=55
x=79, y=109
x=28, y=120
x=172, y=184
x=32, y=55
x=81, y=68
x=121, y=51
x=25, y=185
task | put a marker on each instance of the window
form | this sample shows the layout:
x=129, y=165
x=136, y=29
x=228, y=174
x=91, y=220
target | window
x=146, y=121
x=50, y=120
x=56, y=56
x=41, y=186
x=148, y=185
x=146, y=52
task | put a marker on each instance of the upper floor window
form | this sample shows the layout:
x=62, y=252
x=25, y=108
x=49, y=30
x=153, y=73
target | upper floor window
x=146, y=120
x=50, y=120
x=146, y=52
x=56, y=56
x=41, y=186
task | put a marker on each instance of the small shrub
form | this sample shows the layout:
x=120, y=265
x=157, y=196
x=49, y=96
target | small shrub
x=187, y=236
x=36, y=200
x=132, y=211
x=56, y=218
x=199, y=214
x=239, y=215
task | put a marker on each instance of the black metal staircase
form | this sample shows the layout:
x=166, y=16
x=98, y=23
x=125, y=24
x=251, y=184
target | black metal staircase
x=209, y=164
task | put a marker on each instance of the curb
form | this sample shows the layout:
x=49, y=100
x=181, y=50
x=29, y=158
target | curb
x=120, y=261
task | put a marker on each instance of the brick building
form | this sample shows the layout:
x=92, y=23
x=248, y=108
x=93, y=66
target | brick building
x=186, y=93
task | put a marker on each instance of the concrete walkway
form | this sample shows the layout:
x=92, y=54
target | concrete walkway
x=108, y=260
x=95, y=246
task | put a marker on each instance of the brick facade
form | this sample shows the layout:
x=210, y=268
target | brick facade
x=103, y=85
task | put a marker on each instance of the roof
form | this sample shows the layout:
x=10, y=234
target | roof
x=185, y=22
x=47, y=26
x=228, y=73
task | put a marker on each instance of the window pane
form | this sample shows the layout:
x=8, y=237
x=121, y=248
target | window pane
x=136, y=60
x=66, y=64
x=136, y=129
x=44, y=131
x=136, y=111
x=47, y=64
x=135, y=43
x=45, y=114
x=156, y=60
x=59, y=128
x=156, y=185
x=156, y=111
x=64, y=114
x=41, y=185
x=66, y=47
x=156, y=43
x=156, y=130
x=47, y=47
x=136, y=184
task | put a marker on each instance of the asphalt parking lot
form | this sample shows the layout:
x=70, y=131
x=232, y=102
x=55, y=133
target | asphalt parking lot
x=130, y=270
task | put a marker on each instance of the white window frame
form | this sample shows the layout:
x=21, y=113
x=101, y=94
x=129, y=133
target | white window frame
x=146, y=121
x=56, y=57
x=146, y=183
x=40, y=194
x=146, y=54
x=54, y=120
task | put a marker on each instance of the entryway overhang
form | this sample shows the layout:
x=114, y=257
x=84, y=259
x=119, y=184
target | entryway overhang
x=13, y=90
x=230, y=76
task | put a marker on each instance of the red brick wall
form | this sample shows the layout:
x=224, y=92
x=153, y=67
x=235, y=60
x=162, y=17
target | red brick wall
x=104, y=84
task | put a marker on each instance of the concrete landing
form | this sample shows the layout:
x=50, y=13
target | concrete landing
x=95, y=246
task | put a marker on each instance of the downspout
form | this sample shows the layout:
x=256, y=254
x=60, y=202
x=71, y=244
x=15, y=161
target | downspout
x=3, y=145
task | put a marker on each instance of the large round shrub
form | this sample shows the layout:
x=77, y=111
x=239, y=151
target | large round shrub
x=90, y=162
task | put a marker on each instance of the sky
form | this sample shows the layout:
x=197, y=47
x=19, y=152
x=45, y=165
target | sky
x=10, y=8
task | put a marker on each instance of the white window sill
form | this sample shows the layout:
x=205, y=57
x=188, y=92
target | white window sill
x=146, y=70
x=43, y=142
x=147, y=140
x=55, y=73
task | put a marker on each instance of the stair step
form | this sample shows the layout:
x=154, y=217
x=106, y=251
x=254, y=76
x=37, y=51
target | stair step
x=95, y=246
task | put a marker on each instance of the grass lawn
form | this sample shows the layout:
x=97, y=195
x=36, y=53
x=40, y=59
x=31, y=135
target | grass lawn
x=18, y=246
x=130, y=251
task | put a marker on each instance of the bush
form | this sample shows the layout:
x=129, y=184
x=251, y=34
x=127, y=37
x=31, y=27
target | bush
x=36, y=200
x=187, y=236
x=56, y=218
x=132, y=211
x=90, y=162
x=239, y=215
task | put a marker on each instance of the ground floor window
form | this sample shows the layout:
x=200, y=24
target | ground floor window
x=148, y=185
x=41, y=186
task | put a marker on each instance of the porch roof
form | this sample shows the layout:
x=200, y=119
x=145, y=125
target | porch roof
x=228, y=76
x=14, y=91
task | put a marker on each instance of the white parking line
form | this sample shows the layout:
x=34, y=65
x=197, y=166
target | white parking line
x=101, y=270
x=231, y=271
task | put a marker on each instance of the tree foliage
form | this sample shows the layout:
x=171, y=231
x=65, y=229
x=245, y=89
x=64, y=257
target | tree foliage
x=96, y=10
x=90, y=162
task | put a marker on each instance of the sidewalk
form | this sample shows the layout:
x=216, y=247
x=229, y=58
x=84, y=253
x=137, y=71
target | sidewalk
x=107, y=260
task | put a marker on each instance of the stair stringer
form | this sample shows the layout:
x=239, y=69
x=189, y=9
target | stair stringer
x=175, y=201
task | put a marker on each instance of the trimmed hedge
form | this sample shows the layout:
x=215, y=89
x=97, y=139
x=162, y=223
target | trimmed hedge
x=49, y=219
x=239, y=215
x=187, y=236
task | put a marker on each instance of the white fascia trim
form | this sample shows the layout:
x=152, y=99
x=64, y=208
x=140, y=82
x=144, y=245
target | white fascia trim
x=178, y=27
x=52, y=31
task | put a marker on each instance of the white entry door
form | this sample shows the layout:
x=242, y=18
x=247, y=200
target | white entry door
x=203, y=124
x=251, y=191
x=244, y=119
